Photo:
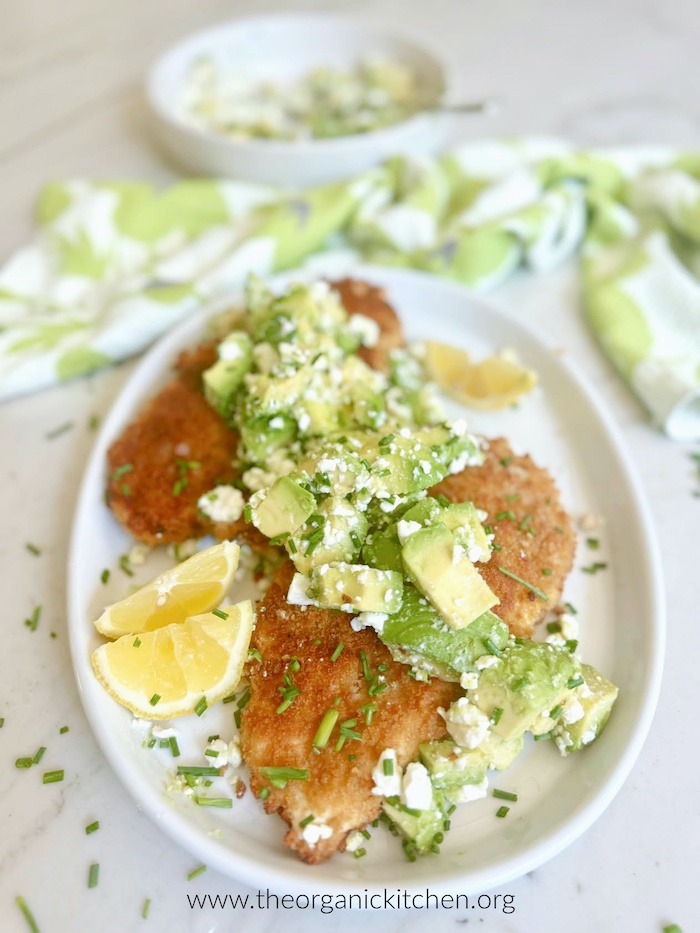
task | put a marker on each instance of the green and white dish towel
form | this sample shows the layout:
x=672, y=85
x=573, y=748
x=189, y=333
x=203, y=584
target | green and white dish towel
x=116, y=264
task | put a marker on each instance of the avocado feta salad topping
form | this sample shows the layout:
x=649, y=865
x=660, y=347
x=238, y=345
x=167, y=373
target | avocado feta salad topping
x=338, y=461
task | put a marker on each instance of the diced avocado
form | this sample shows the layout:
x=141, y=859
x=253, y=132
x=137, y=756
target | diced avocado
x=463, y=521
x=271, y=394
x=451, y=767
x=422, y=829
x=319, y=416
x=501, y=753
x=442, y=571
x=355, y=588
x=425, y=512
x=383, y=550
x=332, y=467
x=263, y=434
x=529, y=679
x=282, y=508
x=597, y=706
x=334, y=532
x=221, y=380
x=417, y=635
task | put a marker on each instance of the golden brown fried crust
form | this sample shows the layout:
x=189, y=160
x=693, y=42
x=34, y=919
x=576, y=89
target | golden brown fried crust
x=177, y=449
x=339, y=790
x=361, y=298
x=540, y=537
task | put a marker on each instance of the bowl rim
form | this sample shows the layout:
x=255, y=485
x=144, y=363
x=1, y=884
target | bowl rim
x=167, y=113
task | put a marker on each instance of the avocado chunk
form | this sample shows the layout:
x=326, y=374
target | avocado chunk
x=221, y=381
x=334, y=532
x=417, y=635
x=383, y=550
x=596, y=707
x=355, y=588
x=461, y=518
x=282, y=508
x=501, y=753
x=528, y=681
x=441, y=570
x=453, y=768
x=423, y=830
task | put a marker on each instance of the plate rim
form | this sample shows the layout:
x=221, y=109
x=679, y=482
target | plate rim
x=236, y=865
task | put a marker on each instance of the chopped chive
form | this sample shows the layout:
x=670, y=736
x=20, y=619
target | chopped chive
x=502, y=811
x=248, y=514
x=53, y=777
x=347, y=729
x=94, y=875
x=33, y=549
x=56, y=432
x=154, y=699
x=201, y=706
x=352, y=757
x=506, y=514
x=358, y=853
x=237, y=718
x=254, y=655
x=504, y=795
x=230, y=698
x=553, y=627
x=137, y=642
x=388, y=766
x=443, y=500
x=524, y=523
x=368, y=711
x=2, y=721
x=33, y=621
x=104, y=576
x=264, y=793
x=593, y=543
x=211, y=753
x=125, y=566
x=292, y=546
x=571, y=644
x=506, y=461
x=294, y=665
x=571, y=609
x=146, y=908
x=219, y=613
x=573, y=682
x=595, y=567
x=672, y=928
x=307, y=819
x=375, y=689
x=520, y=684
x=546, y=572
x=92, y=827
x=196, y=871
x=39, y=755
x=27, y=914
x=323, y=733
x=279, y=776
x=338, y=649
x=491, y=646
x=513, y=497
x=24, y=762
x=555, y=712
x=199, y=771
x=366, y=673
x=533, y=589
x=496, y=715
x=243, y=701
x=543, y=737
x=222, y=803
x=174, y=747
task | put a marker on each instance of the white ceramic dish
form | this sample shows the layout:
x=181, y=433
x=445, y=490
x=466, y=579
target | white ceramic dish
x=284, y=47
x=622, y=633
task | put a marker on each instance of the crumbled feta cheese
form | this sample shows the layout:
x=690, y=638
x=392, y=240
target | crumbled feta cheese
x=469, y=681
x=486, y=660
x=230, y=348
x=365, y=328
x=587, y=737
x=469, y=792
x=138, y=555
x=354, y=841
x=416, y=787
x=227, y=753
x=222, y=504
x=406, y=529
x=298, y=593
x=373, y=620
x=315, y=831
x=387, y=785
x=572, y=712
x=164, y=732
x=465, y=723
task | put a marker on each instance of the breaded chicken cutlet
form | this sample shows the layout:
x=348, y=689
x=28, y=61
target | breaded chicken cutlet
x=179, y=448
x=298, y=643
x=534, y=537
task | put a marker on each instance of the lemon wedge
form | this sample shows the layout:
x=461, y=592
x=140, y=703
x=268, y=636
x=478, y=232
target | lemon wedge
x=493, y=383
x=196, y=585
x=180, y=668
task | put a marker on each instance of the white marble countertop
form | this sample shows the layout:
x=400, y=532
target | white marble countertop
x=70, y=104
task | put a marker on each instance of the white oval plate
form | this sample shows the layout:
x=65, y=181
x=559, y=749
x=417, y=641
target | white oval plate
x=565, y=428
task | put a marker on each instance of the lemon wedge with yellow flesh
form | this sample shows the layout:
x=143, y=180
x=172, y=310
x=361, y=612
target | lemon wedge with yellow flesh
x=196, y=585
x=496, y=382
x=171, y=671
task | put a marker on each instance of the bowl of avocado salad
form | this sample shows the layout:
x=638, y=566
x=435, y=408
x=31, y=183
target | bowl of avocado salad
x=297, y=98
x=392, y=685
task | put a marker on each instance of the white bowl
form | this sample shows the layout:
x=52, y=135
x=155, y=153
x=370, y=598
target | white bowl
x=281, y=48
